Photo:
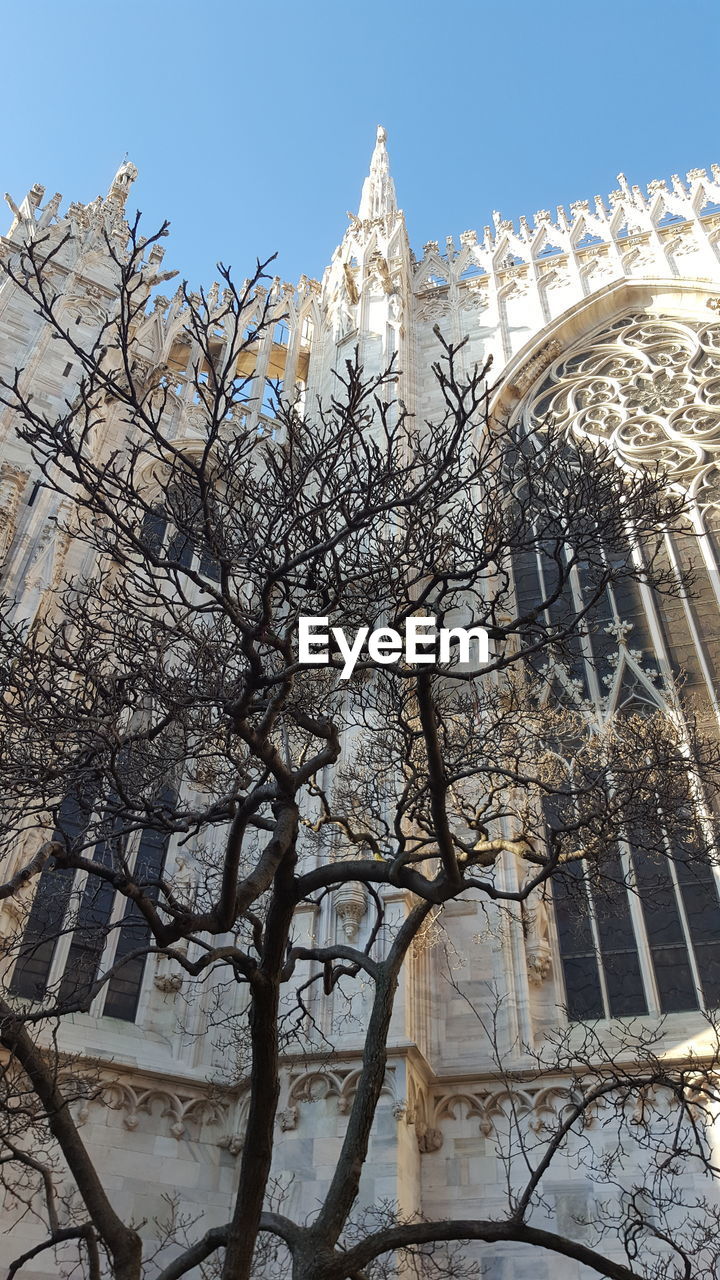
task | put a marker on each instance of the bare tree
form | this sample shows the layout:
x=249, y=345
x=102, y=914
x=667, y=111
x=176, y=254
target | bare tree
x=160, y=691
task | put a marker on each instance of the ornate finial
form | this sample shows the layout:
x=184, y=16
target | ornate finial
x=123, y=180
x=378, y=193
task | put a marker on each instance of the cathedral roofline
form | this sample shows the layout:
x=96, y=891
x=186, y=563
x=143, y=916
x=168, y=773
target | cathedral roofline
x=624, y=229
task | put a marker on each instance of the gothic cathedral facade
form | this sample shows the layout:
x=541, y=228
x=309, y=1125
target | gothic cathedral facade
x=607, y=317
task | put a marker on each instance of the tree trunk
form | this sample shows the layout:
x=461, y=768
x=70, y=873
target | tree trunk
x=264, y=1075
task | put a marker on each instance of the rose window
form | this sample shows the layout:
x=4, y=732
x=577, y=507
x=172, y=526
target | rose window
x=651, y=386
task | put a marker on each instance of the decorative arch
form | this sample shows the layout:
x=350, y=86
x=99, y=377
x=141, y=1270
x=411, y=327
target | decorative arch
x=692, y=301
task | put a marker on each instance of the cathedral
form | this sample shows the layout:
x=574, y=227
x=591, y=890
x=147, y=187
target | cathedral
x=604, y=316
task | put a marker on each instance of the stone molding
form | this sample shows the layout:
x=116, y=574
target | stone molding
x=213, y=1115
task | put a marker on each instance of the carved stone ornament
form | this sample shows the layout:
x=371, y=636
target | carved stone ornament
x=350, y=906
x=233, y=1142
x=121, y=183
x=525, y=376
x=432, y=308
x=168, y=983
x=650, y=386
x=288, y=1118
x=318, y=1083
x=12, y=483
x=538, y=1107
x=428, y=1139
x=183, y=1114
x=474, y=297
x=537, y=937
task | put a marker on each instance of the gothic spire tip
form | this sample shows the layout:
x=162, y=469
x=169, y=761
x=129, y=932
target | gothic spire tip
x=378, y=193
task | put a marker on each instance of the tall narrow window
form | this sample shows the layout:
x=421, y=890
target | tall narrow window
x=50, y=905
x=123, y=989
x=577, y=946
x=644, y=936
x=93, y=935
x=93, y=917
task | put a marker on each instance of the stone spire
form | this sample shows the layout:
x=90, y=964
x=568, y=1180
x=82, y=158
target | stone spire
x=378, y=193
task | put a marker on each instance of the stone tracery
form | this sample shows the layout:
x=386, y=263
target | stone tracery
x=650, y=385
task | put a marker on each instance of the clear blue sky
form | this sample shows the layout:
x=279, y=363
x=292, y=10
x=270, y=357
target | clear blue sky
x=252, y=125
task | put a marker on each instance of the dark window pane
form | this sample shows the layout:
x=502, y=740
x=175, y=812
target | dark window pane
x=88, y=939
x=40, y=939
x=699, y=889
x=153, y=529
x=707, y=955
x=209, y=567
x=49, y=907
x=600, y=616
x=181, y=548
x=674, y=979
x=582, y=985
x=621, y=963
x=527, y=580
x=124, y=992
x=626, y=993
x=702, y=909
x=657, y=895
x=665, y=933
x=123, y=989
x=577, y=949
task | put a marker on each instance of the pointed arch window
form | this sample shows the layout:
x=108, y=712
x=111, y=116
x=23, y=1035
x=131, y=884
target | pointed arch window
x=646, y=940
